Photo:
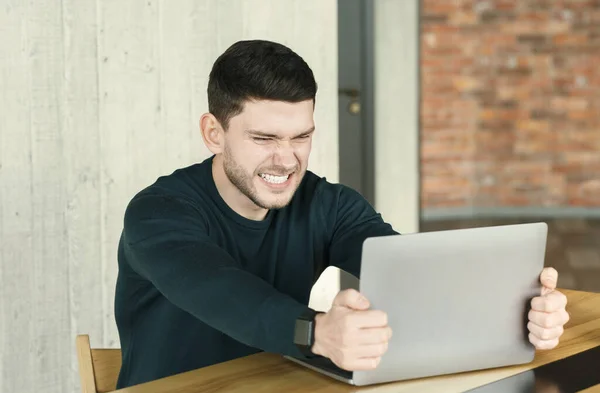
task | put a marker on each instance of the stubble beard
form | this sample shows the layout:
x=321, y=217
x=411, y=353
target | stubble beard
x=244, y=182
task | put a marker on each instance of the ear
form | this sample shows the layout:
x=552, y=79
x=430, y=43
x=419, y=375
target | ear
x=212, y=133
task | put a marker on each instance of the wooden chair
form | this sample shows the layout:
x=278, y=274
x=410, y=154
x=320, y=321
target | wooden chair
x=98, y=368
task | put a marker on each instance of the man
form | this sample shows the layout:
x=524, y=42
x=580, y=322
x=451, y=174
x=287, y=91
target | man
x=217, y=260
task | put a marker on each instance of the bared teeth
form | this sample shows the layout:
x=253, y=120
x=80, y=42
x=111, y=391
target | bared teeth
x=274, y=179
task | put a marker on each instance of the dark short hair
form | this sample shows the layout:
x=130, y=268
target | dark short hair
x=257, y=70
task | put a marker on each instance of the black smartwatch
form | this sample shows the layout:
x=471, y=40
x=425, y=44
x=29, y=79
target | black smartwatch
x=304, y=332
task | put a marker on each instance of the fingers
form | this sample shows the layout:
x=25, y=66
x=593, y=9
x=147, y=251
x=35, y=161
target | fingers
x=364, y=357
x=370, y=319
x=353, y=336
x=360, y=364
x=551, y=302
x=549, y=279
x=371, y=351
x=545, y=334
x=374, y=336
x=351, y=298
x=546, y=319
x=549, y=320
x=542, y=344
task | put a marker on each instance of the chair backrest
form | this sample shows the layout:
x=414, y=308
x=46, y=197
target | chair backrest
x=98, y=368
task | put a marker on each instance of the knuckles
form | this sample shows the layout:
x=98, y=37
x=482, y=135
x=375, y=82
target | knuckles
x=547, y=321
x=543, y=305
x=566, y=316
x=550, y=344
x=546, y=334
x=563, y=298
x=553, y=302
x=383, y=318
x=385, y=337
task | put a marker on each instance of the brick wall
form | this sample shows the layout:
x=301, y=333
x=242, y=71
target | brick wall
x=510, y=109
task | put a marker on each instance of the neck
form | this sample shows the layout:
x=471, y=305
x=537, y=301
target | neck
x=232, y=196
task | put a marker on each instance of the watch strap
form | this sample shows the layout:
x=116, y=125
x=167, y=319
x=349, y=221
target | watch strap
x=304, y=332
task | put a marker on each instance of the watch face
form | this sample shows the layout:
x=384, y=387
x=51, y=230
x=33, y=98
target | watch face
x=302, y=333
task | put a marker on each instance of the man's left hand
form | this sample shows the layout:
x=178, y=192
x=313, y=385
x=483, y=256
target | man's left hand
x=548, y=313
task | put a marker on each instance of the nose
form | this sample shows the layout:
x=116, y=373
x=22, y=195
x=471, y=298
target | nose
x=285, y=156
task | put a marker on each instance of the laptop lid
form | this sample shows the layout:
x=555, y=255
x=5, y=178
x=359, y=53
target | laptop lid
x=456, y=300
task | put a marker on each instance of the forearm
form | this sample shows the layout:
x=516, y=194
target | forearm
x=203, y=281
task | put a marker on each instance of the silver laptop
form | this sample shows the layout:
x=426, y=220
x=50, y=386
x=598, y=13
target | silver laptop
x=456, y=300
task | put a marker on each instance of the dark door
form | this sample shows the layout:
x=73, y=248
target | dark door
x=355, y=77
x=356, y=106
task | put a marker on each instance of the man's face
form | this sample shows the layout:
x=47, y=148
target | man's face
x=266, y=150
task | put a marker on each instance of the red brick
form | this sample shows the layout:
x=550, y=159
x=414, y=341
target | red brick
x=536, y=143
x=577, y=163
x=531, y=168
x=462, y=18
x=444, y=146
x=533, y=126
x=433, y=64
x=520, y=93
x=519, y=27
x=465, y=83
x=514, y=200
x=581, y=140
x=440, y=28
x=498, y=39
x=584, y=5
x=570, y=39
x=439, y=7
x=510, y=96
x=535, y=16
x=583, y=115
x=591, y=187
x=494, y=144
x=500, y=114
x=505, y=5
x=578, y=156
x=435, y=126
x=584, y=193
x=569, y=104
x=441, y=185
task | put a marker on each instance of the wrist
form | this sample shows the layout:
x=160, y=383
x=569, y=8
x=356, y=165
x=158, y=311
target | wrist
x=316, y=348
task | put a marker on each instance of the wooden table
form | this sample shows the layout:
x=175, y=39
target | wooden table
x=271, y=373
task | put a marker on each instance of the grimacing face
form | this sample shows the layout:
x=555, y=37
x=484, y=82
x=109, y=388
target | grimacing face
x=267, y=148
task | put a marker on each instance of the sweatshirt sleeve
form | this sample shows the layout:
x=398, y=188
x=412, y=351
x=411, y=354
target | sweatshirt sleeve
x=351, y=220
x=167, y=243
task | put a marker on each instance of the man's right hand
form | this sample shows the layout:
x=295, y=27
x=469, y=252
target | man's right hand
x=350, y=334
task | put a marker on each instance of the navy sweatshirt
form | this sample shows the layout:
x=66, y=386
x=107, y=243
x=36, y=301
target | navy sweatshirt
x=198, y=284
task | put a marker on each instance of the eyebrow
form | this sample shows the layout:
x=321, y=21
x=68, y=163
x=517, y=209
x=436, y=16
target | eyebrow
x=263, y=134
